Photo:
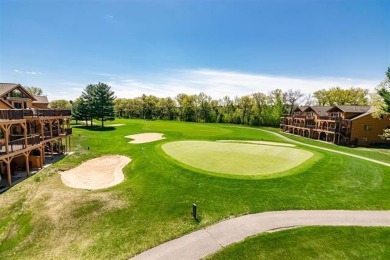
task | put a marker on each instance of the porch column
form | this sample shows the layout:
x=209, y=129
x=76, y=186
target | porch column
x=42, y=152
x=9, y=177
x=25, y=134
x=42, y=132
x=51, y=150
x=26, y=155
x=51, y=128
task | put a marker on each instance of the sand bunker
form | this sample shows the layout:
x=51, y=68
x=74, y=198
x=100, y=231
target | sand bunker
x=145, y=138
x=98, y=173
x=257, y=142
x=114, y=125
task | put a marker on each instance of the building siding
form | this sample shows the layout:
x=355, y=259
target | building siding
x=360, y=132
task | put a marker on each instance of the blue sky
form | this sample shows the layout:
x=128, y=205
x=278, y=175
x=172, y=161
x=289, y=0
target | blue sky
x=220, y=47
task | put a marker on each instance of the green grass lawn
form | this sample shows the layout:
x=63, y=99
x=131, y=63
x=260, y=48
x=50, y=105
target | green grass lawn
x=313, y=243
x=236, y=158
x=379, y=154
x=42, y=218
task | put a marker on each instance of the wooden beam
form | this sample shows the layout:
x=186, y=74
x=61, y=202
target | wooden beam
x=26, y=155
x=9, y=177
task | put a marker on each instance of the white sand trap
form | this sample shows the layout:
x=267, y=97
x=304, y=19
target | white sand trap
x=98, y=173
x=114, y=125
x=257, y=142
x=145, y=138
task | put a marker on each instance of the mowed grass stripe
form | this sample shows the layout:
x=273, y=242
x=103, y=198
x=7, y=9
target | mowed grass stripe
x=236, y=158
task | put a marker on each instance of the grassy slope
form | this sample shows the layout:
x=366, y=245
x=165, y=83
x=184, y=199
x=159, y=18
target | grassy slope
x=373, y=153
x=42, y=218
x=236, y=158
x=313, y=243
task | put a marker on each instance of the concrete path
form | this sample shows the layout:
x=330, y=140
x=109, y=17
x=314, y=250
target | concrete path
x=327, y=149
x=213, y=238
x=318, y=147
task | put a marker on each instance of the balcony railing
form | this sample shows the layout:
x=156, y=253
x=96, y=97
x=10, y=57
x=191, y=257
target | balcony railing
x=11, y=114
x=48, y=112
x=16, y=114
x=33, y=140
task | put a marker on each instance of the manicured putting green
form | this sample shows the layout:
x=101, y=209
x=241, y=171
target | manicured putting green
x=236, y=158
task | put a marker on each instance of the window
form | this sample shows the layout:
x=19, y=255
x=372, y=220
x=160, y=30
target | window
x=16, y=93
x=335, y=114
x=18, y=105
x=367, y=127
x=365, y=139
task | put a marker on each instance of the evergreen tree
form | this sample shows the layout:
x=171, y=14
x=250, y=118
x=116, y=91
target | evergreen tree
x=103, y=102
x=88, y=96
x=384, y=92
x=80, y=110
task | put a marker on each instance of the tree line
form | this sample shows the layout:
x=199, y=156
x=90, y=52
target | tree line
x=255, y=109
x=98, y=102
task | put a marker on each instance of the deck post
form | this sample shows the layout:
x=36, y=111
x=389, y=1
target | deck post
x=26, y=154
x=42, y=152
x=9, y=178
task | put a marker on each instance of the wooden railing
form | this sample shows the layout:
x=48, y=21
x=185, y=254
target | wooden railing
x=11, y=114
x=51, y=112
x=15, y=114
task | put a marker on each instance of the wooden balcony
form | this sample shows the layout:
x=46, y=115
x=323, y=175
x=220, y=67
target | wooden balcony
x=16, y=114
x=11, y=114
x=49, y=112
x=329, y=118
x=19, y=143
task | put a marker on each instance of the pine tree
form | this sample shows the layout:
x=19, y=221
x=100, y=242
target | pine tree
x=384, y=92
x=88, y=96
x=103, y=99
x=80, y=110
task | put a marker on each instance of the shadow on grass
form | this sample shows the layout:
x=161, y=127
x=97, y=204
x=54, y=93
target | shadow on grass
x=95, y=128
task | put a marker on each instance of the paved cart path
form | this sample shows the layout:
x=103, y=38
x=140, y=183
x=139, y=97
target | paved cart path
x=213, y=238
x=321, y=148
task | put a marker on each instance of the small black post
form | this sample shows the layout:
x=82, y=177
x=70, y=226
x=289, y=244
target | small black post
x=88, y=147
x=194, y=212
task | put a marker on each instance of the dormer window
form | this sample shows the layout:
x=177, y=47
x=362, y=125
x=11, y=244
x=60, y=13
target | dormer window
x=335, y=114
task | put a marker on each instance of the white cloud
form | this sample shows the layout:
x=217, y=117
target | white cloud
x=28, y=72
x=218, y=84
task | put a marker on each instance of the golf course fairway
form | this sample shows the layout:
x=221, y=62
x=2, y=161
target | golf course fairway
x=236, y=158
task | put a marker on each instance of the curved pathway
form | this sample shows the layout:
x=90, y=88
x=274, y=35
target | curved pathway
x=213, y=238
x=318, y=147
x=209, y=240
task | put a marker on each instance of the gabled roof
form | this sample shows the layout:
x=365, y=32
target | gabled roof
x=299, y=109
x=8, y=87
x=351, y=109
x=319, y=110
x=41, y=100
x=368, y=112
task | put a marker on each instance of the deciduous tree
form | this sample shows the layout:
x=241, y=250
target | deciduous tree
x=35, y=91
x=60, y=104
